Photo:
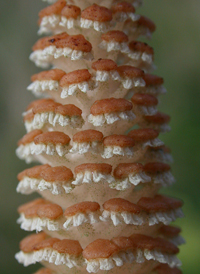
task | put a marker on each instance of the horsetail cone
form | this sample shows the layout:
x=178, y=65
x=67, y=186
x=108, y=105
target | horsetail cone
x=94, y=132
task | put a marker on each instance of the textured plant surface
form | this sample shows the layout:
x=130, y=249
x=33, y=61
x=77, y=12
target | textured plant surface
x=95, y=133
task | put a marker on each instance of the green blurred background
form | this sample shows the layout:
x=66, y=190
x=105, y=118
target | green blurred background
x=177, y=55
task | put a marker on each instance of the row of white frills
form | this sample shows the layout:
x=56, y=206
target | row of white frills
x=123, y=47
x=39, y=87
x=54, y=119
x=43, y=58
x=28, y=185
x=29, y=151
x=94, y=265
x=58, y=23
x=41, y=120
x=117, y=218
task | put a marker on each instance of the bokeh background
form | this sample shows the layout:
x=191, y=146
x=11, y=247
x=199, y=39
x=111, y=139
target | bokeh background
x=177, y=55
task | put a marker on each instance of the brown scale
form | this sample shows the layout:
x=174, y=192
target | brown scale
x=41, y=208
x=44, y=42
x=140, y=47
x=114, y=36
x=156, y=168
x=48, y=243
x=37, y=102
x=45, y=107
x=63, y=40
x=144, y=99
x=83, y=207
x=28, y=205
x=97, y=13
x=28, y=243
x=100, y=248
x=110, y=105
x=74, y=42
x=53, y=9
x=67, y=246
x=152, y=80
x=57, y=174
x=124, y=243
x=143, y=134
x=50, y=211
x=127, y=71
x=120, y=205
x=33, y=172
x=75, y=77
x=29, y=137
x=147, y=242
x=118, y=140
x=104, y=65
x=68, y=110
x=159, y=203
x=31, y=212
x=53, y=74
x=89, y=135
x=123, y=170
x=71, y=11
x=51, y=106
x=146, y=22
x=54, y=137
